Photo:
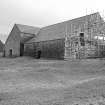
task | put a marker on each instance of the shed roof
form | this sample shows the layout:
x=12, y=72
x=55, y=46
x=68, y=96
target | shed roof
x=58, y=31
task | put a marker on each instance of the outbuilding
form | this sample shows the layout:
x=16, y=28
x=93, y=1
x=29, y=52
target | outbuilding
x=14, y=45
x=67, y=40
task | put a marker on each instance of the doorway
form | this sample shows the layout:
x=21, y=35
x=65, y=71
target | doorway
x=82, y=41
x=39, y=54
x=21, y=49
x=10, y=52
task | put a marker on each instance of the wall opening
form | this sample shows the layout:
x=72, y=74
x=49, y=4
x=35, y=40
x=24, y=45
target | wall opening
x=21, y=49
x=39, y=54
x=10, y=52
x=4, y=53
x=82, y=41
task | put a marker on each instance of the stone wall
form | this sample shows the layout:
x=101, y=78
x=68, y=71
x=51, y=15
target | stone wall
x=13, y=43
x=90, y=27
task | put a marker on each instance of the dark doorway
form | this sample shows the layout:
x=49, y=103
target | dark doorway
x=39, y=54
x=82, y=41
x=4, y=53
x=10, y=52
x=21, y=49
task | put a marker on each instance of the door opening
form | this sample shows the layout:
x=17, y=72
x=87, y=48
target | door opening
x=39, y=54
x=82, y=41
x=21, y=49
x=10, y=52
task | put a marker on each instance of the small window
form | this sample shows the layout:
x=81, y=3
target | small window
x=81, y=34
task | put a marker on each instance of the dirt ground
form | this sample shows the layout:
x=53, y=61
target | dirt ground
x=27, y=81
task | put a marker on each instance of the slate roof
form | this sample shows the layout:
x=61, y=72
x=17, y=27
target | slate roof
x=28, y=29
x=58, y=31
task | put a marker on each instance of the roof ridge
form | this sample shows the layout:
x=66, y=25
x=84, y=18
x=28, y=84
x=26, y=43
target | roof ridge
x=27, y=29
x=26, y=25
x=72, y=19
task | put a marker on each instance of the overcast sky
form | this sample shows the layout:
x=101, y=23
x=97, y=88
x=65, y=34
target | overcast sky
x=44, y=12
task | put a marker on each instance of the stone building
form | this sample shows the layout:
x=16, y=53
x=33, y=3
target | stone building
x=72, y=39
x=14, y=45
x=67, y=40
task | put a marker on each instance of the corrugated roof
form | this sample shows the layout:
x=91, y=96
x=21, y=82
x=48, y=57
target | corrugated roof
x=28, y=29
x=57, y=31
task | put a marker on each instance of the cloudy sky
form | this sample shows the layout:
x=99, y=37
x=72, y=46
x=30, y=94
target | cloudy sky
x=44, y=12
